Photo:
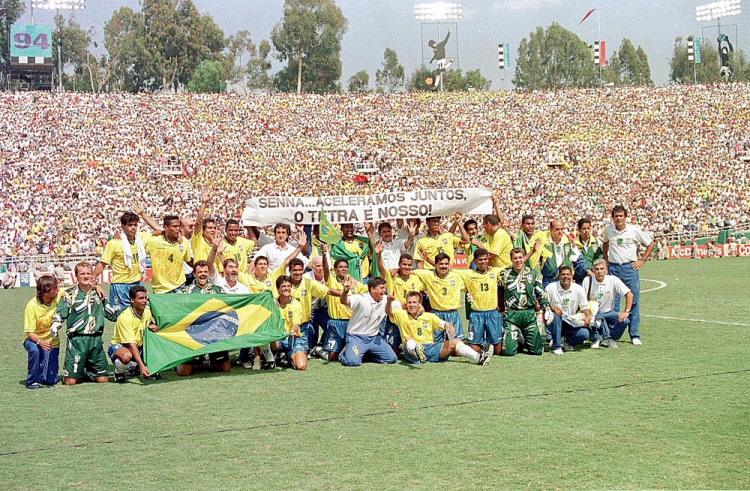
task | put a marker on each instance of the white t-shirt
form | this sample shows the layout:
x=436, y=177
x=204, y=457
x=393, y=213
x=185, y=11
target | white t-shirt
x=392, y=253
x=570, y=301
x=623, y=246
x=221, y=282
x=276, y=255
x=604, y=292
x=366, y=315
x=316, y=303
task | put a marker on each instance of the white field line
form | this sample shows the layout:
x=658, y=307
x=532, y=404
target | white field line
x=662, y=285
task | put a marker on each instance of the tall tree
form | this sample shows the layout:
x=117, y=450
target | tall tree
x=475, y=80
x=10, y=12
x=553, y=59
x=634, y=68
x=176, y=40
x=74, y=53
x=391, y=77
x=126, y=50
x=359, y=82
x=308, y=38
x=683, y=71
x=208, y=77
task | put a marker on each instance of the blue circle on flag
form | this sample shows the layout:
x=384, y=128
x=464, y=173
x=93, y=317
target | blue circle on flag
x=214, y=326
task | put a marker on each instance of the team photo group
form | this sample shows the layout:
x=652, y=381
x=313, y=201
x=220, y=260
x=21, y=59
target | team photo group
x=347, y=292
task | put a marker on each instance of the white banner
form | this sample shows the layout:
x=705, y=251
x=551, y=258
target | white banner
x=421, y=203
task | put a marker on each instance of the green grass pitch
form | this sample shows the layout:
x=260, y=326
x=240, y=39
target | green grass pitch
x=672, y=413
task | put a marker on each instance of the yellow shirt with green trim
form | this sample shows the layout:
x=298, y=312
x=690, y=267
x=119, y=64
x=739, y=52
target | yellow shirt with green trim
x=399, y=287
x=335, y=309
x=166, y=263
x=445, y=292
x=304, y=292
x=237, y=251
x=421, y=329
x=201, y=247
x=291, y=313
x=115, y=257
x=37, y=318
x=256, y=285
x=498, y=244
x=445, y=242
x=356, y=246
x=130, y=326
x=482, y=287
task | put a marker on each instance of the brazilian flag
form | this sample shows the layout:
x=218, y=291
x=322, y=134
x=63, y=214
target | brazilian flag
x=328, y=232
x=194, y=324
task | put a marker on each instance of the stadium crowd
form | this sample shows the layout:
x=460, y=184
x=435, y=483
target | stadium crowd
x=72, y=163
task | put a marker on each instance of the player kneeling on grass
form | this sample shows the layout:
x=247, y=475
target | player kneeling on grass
x=418, y=331
x=127, y=340
x=295, y=346
x=43, y=349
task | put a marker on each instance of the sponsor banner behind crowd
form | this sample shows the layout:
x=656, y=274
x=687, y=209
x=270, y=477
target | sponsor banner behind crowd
x=421, y=203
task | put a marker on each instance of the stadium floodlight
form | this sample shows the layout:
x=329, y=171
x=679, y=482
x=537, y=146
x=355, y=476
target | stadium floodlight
x=438, y=11
x=718, y=10
x=58, y=4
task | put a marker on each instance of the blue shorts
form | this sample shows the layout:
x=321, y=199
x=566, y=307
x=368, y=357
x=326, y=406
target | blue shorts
x=452, y=317
x=366, y=348
x=112, y=348
x=300, y=344
x=392, y=334
x=119, y=294
x=485, y=325
x=432, y=350
x=333, y=338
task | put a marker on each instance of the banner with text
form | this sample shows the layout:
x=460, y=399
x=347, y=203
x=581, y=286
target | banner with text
x=421, y=203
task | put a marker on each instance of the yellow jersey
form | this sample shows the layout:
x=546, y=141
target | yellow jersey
x=482, y=287
x=356, y=246
x=37, y=318
x=399, y=287
x=115, y=257
x=166, y=263
x=304, y=292
x=291, y=313
x=445, y=292
x=201, y=247
x=256, y=285
x=421, y=329
x=498, y=244
x=335, y=309
x=237, y=251
x=445, y=242
x=129, y=327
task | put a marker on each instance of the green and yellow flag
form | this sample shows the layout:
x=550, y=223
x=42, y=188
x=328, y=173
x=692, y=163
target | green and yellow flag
x=328, y=232
x=193, y=324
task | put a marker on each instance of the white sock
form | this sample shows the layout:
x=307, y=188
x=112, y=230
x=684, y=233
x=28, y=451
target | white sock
x=267, y=353
x=324, y=355
x=467, y=352
x=411, y=345
x=120, y=367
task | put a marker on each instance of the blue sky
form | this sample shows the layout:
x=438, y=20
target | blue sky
x=378, y=24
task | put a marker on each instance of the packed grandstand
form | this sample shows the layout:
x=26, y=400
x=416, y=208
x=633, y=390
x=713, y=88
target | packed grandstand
x=676, y=156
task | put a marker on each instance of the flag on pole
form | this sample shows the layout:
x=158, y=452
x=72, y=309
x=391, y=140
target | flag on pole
x=328, y=232
x=586, y=16
x=193, y=324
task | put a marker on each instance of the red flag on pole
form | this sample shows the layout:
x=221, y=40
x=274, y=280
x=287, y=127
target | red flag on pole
x=586, y=16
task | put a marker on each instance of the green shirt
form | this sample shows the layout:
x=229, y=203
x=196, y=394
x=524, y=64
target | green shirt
x=520, y=290
x=83, y=312
x=209, y=289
